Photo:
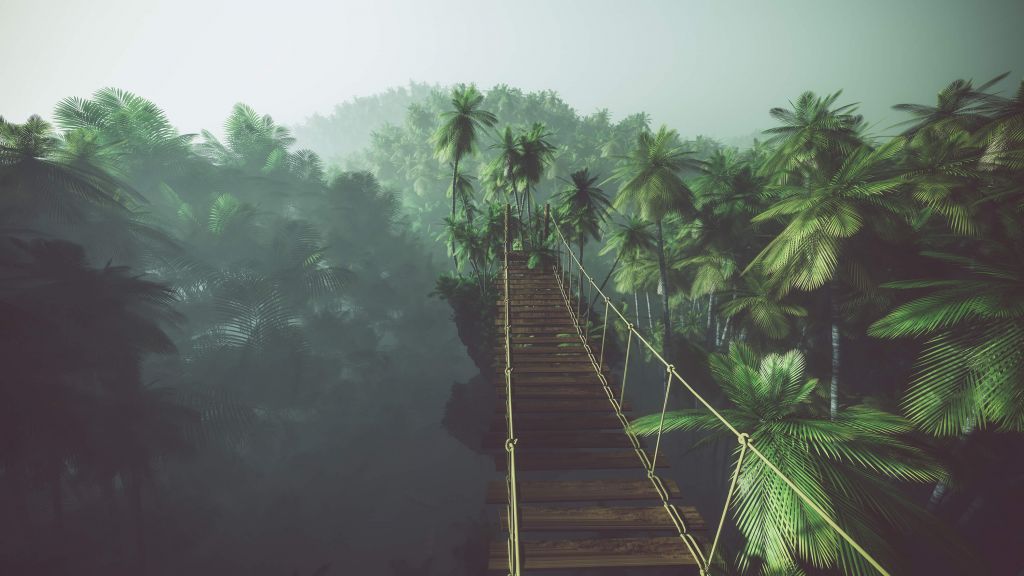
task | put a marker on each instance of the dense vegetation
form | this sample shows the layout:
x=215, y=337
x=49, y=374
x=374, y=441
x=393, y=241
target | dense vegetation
x=195, y=332
x=206, y=337
x=891, y=263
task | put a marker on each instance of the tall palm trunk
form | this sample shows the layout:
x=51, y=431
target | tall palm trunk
x=650, y=316
x=609, y=275
x=833, y=390
x=666, y=342
x=455, y=179
x=636, y=305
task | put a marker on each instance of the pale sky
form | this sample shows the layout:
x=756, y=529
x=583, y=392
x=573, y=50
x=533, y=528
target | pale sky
x=704, y=67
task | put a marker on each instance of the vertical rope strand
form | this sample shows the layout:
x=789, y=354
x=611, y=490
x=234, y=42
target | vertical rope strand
x=744, y=441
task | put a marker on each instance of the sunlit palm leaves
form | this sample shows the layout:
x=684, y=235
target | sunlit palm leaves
x=823, y=213
x=650, y=176
x=812, y=132
x=971, y=371
x=842, y=464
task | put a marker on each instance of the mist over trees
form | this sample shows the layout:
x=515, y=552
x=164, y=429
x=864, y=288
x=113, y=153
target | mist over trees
x=224, y=354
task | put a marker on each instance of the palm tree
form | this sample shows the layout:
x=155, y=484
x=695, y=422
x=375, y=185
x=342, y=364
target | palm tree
x=583, y=206
x=843, y=463
x=39, y=181
x=456, y=137
x=761, y=310
x=970, y=373
x=960, y=107
x=76, y=338
x=504, y=170
x=650, y=181
x=822, y=214
x=535, y=153
x=812, y=134
x=629, y=240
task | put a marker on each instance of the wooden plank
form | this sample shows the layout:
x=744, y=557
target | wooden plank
x=565, y=391
x=549, y=320
x=581, y=490
x=597, y=553
x=549, y=379
x=559, y=421
x=521, y=339
x=603, y=518
x=560, y=440
x=545, y=330
x=573, y=348
x=522, y=367
x=575, y=460
x=544, y=405
x=519, y=358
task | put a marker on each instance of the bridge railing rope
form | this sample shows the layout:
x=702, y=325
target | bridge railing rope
x=565, y=273
x=511, y=485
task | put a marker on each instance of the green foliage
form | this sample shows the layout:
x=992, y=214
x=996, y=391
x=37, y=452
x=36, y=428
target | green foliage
x=843, y=464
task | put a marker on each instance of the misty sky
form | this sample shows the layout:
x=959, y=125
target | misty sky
x=705, y=67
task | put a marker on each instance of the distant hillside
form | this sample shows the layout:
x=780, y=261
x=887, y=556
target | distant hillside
x=347, y=129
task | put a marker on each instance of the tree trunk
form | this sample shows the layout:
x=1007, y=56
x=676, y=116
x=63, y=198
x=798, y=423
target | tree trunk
x=636, y=304
x=609, y=275
x=833, y=391
x=666, y=343
x=455, y=178
x=650, y=316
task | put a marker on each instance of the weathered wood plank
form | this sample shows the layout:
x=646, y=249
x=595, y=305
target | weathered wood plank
x=598, y=553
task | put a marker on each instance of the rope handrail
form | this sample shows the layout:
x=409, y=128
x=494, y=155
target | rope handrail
x=514, y=548
x=744, y=439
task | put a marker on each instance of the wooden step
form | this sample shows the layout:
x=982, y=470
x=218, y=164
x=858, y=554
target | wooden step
x=541, y=379
x=557, y=391
x=575, y=460
x=571, y=348
x=545, y=330
x=522, y=367
x=597, y=553
x=560, y=440
x=546, y=405
x=581, y=490
x=559, y=421
x=521, y=357
x=521, y=339
x=551, y=321
x=603, y=518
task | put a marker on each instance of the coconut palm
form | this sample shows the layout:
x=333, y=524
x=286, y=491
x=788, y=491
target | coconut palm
x=628, y=240
x=650, y=181
x=39, y=181
x=844, y=464
x=822, y=214
x=535, y=153
x=760, y=310
x=456, y=137
x=970, y=373
x=583, y=207
x=960, y=107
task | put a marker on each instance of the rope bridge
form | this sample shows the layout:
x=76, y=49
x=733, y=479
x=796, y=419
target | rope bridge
x=558, y=392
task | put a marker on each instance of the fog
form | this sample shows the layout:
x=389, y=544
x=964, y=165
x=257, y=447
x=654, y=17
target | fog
x=250, y=256
x=702, y=67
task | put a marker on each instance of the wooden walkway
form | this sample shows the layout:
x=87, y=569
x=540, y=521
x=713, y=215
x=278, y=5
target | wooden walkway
x=584, y=498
